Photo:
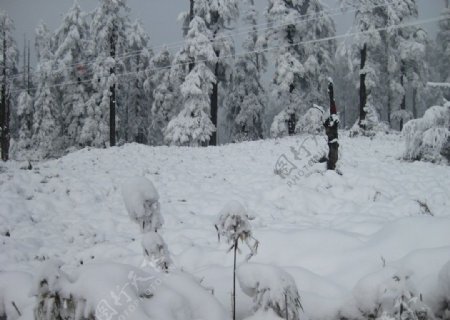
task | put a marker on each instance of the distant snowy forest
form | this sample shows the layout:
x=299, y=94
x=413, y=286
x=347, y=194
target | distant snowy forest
x=100, y=82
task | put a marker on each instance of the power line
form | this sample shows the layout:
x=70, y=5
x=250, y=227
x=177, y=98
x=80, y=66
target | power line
x=268, y=49
x=179, y=44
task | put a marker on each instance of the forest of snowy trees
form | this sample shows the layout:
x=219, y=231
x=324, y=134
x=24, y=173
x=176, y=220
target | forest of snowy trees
x=99, y=81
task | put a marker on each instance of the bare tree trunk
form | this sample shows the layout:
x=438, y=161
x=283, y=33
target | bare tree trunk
x=191, y=17
x=4, y=111
x=234, y=280
x=28, y=70
x=362, y=89
x=112, y=89
x=215, y=103
x=415, y=103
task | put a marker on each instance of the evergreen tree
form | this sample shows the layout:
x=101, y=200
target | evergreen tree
x=46, y=127
x=25, y=112
x=136, y=104
x=108, y=30
x=71, y=41
x=193, y=125
x=249, y=99
x=8, y=63
x=165, y=95
x=443, y=45
x=301, y=70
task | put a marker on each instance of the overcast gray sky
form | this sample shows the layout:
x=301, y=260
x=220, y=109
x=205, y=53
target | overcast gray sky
x=159, y=17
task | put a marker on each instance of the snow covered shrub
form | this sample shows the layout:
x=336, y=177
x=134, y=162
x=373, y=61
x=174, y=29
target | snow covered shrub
x=443, y=310
x=233, y=224
x=389, y=294
x=142, y=203
x=427, y=137
x=372, y=124
x=271, y=288
x=312, y=121
x=51, y=302
x=279, y=127
x=155, y=249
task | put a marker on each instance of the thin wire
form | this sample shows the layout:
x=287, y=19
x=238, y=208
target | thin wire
x=342, y=36
x=121, y=58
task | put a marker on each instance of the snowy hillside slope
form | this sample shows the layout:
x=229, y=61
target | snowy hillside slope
x=328, y=231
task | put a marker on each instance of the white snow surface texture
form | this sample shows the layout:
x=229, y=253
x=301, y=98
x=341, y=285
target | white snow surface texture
x=332, y=233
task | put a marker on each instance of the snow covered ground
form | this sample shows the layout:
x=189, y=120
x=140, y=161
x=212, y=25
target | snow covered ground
x=329, y=231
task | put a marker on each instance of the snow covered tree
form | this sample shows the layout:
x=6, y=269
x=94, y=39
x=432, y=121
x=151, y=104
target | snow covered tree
x=135, y=107
x=71, y=40
x=25, y=111
x=162, y=86
x=233, y=224
x=270, y=288
x=443, y=45
x=142, y=203
x=367, y=52
x=46, y=124
x=193, y=125
x=8, y=56
x=248, y=101
x=108, y=30
x=301, y=70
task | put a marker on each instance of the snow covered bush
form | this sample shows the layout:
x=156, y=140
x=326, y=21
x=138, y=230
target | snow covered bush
x=312, y=121
x=155, y=249
x=271, y=288
x=389, y=294
x=371, y=124
x=119, y=291
x=142, y=203
x=233, y=224
x=426, y=138
x=443, y=309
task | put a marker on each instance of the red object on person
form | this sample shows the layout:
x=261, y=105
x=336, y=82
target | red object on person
x=333, y=109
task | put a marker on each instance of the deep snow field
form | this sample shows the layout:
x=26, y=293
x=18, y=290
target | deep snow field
x=327, y=230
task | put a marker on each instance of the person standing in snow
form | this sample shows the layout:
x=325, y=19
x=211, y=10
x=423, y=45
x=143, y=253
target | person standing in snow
x=331, y=130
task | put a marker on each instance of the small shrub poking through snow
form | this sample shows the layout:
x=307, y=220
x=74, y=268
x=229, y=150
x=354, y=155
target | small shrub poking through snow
x=233, y=224
x=142, y=203
x=271, y=289
x=155, y=249
x=427, y=137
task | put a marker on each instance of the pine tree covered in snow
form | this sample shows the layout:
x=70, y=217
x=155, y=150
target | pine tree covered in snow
x=301, y=71
x=368, y=54
x=193, y=125
x=162, y=85
x=46, y=124
x=136, y=103
x=108, y=29
x=25, y=111
x=248, y=100
x=443, y=45
x=71, y=41
x=8, y=68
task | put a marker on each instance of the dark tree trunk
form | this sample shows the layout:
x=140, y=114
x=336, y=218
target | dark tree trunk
x=362, y=89
x=291, y=124
x=402, y=82
x=112, y=89
x=191, y=17
x=28, y=70
x=414, y=97
x=331, y=130
x=4, y=111
x=234, y=280
x=215, y=103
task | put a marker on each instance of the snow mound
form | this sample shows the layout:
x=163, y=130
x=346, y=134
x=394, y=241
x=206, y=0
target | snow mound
x=142, y=203
x=271, y=288
x=312, y=121
x=112, y=290
x=156, y=250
